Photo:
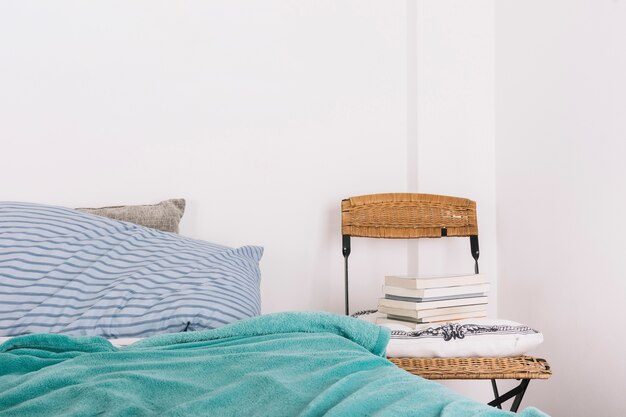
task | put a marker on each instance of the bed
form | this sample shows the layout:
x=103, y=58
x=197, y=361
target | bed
x=74, y=287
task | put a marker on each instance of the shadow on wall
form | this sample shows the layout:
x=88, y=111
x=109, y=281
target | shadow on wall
x=327, y=283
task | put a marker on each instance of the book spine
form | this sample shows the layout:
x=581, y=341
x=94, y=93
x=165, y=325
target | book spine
x=455, y=291
x=434, y=282
x=431, y=304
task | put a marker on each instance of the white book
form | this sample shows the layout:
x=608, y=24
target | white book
x=425, y=305
x=435, y=319
x=424, y=293
x=435, y=280
x=442, y=317
x=420, y=314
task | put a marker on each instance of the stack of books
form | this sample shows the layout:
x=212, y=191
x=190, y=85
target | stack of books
x=415, y=300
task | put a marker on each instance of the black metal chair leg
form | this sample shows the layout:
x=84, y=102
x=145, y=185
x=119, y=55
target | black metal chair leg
x=520, y=395
x=345, y=249
x=517, y=392
x=495, y=392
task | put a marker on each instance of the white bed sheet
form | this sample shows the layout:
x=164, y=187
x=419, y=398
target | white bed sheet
x=115, y=342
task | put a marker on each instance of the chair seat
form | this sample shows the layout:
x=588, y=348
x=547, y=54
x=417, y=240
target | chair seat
x=518, y=367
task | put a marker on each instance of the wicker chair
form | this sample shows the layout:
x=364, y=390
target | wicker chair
x=413, y=216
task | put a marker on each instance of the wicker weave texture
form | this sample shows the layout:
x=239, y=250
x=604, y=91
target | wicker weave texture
x=408, y=215
x=519, y=367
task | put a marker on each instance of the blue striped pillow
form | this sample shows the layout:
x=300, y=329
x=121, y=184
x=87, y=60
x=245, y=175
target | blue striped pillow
x=62, y=271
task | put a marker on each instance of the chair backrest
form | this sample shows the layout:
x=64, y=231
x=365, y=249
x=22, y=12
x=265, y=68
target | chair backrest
x=408, y=216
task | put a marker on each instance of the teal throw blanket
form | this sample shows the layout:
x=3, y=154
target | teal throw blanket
x=287, y=364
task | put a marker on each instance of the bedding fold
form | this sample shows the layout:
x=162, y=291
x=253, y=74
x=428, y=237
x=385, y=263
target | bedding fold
x=371, y=337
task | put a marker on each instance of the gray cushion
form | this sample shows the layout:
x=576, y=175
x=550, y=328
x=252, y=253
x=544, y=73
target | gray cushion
x=162, y=216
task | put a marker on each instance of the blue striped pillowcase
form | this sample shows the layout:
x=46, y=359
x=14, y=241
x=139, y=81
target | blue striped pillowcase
x=62, y=271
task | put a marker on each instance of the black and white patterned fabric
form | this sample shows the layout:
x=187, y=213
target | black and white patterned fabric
x=481, y=337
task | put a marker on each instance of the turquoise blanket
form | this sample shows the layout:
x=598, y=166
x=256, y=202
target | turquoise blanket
x=287, y=364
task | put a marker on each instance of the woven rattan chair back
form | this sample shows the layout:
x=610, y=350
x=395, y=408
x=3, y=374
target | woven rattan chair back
x=408, y=216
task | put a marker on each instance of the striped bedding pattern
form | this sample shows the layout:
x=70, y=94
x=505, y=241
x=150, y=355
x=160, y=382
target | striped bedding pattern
x=62, y=271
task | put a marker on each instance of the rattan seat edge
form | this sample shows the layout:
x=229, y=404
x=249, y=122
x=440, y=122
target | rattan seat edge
x=517, y=367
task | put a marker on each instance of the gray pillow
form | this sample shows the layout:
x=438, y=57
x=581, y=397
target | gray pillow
x=162, y=216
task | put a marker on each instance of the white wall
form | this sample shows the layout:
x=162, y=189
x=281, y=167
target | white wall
x=560, y=127
x=455, y=123
x=455, y=149
x=263, y=115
